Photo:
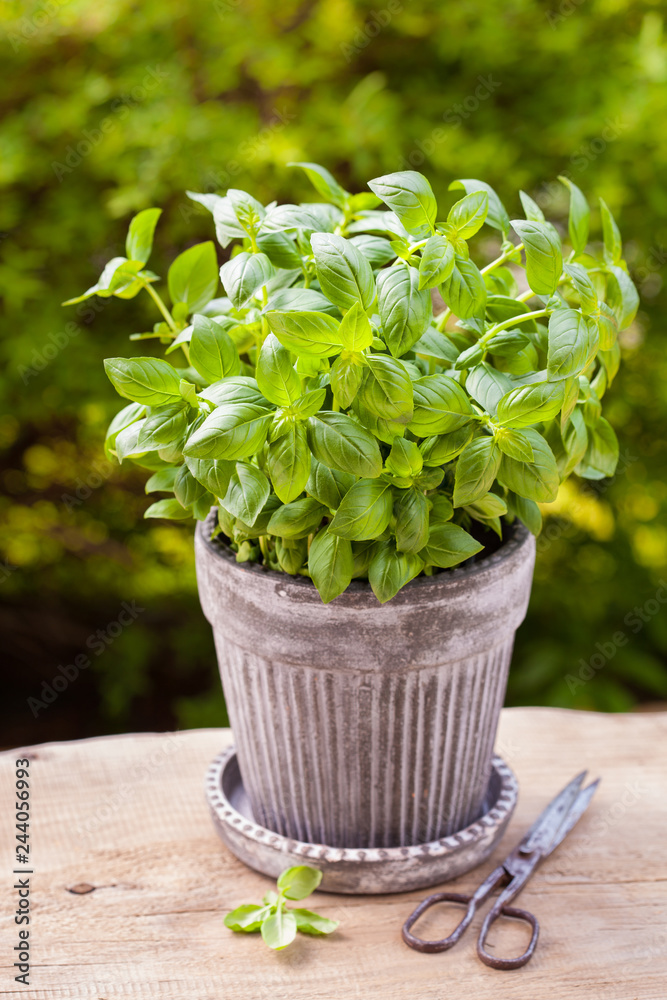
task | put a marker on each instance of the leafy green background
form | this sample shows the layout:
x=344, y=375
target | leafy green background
x=110, y=107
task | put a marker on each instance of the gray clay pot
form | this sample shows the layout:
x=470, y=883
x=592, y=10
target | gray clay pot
x=359, y=724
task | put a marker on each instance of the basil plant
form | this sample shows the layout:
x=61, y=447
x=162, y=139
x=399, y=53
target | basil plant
x=340, y=428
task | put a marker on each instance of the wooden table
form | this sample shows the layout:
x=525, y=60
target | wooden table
x=126, y=815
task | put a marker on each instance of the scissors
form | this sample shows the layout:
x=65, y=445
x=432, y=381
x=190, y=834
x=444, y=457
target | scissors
x=546, y=833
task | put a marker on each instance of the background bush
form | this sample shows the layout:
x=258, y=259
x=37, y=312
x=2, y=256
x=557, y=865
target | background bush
x=110, y=107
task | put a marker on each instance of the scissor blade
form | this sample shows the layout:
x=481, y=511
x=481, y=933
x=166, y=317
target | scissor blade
x=546, y=826
x=577, y=810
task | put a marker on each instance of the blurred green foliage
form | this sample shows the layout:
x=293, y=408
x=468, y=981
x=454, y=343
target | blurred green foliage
x=110, y=107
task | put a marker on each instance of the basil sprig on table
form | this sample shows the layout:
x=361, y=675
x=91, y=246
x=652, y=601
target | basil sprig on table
x=278, y=923
x=342, y=431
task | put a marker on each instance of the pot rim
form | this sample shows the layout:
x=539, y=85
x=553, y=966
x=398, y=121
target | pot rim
x=518, y=537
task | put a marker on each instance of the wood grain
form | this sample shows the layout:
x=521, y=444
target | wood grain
x=127, y=815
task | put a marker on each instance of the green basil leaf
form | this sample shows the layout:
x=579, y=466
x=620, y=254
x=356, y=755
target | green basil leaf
x=445, y=447
x=309, y=333
x=410, y=197
x=531, y=209
x=574, y=437
x=507, y=343
x=191, y=494
x=193, y=277
x=247, y=492
x=502, y=307
x=375, y=249
x=341, y=443
x=497, y=213
x=344, y=274
x=279, y=929
x=613, y=247
x=214, y=475
x=437, y=262
x=124, y=418
x=169, y=509
x=232, y=431
x=569, y=400
x=469, y=358
x=239, y=389
x=355, y=331
x=468, y=215
x=584, y=287
x=411, y=511
x=607, y=327
x=288, y=462
x=487, y=508
x=309, y=404
x=622, y=294
x=464, y=290
x=383, y=430
x=247, y=209
x=537, y=480
x=601, y=456
x=436, y=345
x=164, y=425
x=573, y=342
x=288, y=218
x=297, y=519
x=330, y=564
x=440, y=406
x=261, y=525
x=300, y=300
x=448, y=545
x=275, y=374
x=579, y=218
x=405, y=459
x=162, y=481
x=212, y=350
x=386, y=388
x=476, y=471
x=514, y=444
x=324, y=183
x=390, y=570
x=247, y=918
x=244, y=275
x=292, y=554
x=527, y=511
x=365, y=510
x=544, y=259
x=346, y=374
x=329, y=486
x=150, y=381
x=281, y=251
x=308, y=922
x=405, y=311
x=139, y=241
x=487, y=386
x=126, y=444
x=530, y=404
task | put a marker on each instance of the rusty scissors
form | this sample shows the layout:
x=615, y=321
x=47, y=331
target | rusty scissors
x=544, y=836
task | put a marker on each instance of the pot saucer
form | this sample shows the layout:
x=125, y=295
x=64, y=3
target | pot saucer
x=357, y=870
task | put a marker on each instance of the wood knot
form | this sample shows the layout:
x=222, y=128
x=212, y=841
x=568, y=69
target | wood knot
x=81, y=888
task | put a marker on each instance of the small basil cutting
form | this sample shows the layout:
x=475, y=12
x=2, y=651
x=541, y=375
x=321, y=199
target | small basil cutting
x=342, y=430
x=278, y=923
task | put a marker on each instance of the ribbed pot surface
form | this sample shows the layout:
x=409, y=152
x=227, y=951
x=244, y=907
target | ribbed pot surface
x=359, y=724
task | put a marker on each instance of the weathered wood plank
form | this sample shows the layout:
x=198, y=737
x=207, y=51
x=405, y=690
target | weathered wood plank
x=127, y=815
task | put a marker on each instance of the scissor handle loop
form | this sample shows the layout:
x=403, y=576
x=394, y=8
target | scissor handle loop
x=419, y=944
x=507, y=911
